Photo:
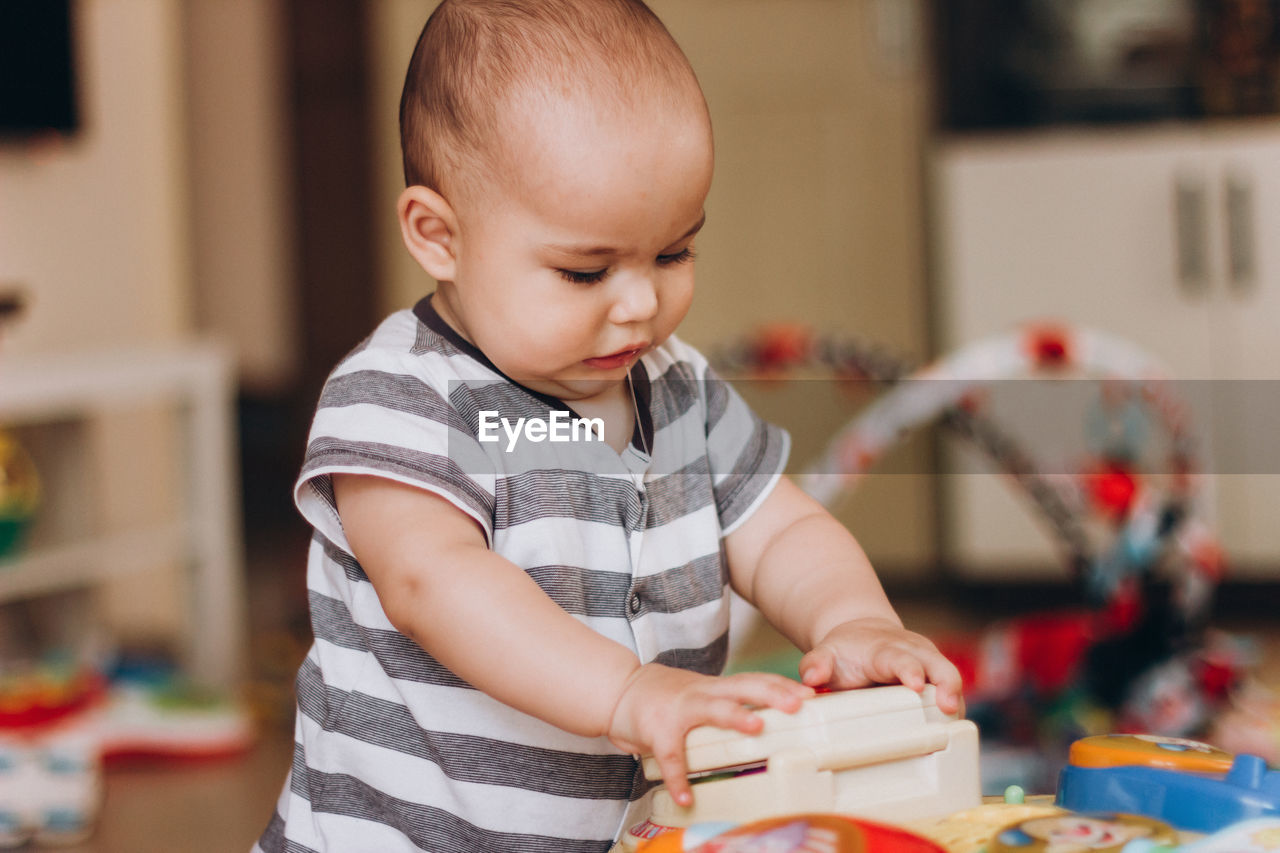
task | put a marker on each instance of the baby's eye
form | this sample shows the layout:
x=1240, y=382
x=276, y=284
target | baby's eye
x=683, y=256
x=583, y=277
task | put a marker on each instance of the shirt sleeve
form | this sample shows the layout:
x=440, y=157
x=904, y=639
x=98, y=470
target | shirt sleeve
x=395, y=425
x=747, y=455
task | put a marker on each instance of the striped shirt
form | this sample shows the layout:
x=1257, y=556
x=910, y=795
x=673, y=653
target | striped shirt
x=393, y=752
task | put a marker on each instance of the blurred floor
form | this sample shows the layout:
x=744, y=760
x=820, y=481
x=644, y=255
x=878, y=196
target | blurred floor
x=211, y=806
x=222, y=805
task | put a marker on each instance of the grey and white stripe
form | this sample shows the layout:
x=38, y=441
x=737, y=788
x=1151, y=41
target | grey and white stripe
x=396, y=753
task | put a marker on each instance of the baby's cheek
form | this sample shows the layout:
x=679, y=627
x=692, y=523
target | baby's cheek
x=676, y=301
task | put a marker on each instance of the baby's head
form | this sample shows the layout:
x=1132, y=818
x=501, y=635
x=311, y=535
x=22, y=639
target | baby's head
x=557, y=155
x=483, y=68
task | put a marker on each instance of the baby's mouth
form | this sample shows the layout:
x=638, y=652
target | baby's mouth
x=614, y=360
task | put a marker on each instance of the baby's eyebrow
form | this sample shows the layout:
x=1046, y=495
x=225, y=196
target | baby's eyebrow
x=697, y=226
x=594, y=251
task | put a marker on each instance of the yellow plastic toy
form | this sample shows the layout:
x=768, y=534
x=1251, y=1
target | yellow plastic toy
x=970, y=831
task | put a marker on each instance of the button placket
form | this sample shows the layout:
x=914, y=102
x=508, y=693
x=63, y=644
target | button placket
x=636, y=533
x=637, y=539
x=641, y=634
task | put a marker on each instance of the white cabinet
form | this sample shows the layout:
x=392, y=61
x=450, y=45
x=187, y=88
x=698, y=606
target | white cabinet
x=52, y=401
x=1165, y=235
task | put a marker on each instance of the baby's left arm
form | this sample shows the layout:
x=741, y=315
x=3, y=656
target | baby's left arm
x=811, y=580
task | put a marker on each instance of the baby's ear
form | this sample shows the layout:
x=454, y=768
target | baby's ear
x=428, y=226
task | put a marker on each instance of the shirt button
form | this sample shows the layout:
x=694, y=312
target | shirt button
x=633, y=606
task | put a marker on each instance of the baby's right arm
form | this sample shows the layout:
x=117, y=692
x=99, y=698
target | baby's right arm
x=485, y=619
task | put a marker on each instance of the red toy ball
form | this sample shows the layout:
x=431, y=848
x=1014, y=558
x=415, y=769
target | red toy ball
x=1112, y=489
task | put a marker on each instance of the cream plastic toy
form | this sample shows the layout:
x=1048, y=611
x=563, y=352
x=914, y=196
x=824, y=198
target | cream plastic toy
x=883, y=753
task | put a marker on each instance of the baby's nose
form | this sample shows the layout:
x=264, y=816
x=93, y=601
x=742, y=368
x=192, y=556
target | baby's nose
x=637, y=300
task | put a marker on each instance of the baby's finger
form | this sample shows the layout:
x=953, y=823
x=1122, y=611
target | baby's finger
x=944, y=675
x=817, y=667
x=675, y=773
x=901, y=665
x=729, y=713
x=765, y=690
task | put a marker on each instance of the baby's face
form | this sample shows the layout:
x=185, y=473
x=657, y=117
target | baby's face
x=576, y=260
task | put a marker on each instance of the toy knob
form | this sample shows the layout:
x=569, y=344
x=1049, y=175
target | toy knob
x=1247, y=771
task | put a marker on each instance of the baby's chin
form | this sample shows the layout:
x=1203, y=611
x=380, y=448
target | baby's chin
x=572, y=382
x=586, y=389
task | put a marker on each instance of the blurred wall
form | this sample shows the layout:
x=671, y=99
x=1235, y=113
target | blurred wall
x=95, y=229
x=237, y=123
x=394, y=27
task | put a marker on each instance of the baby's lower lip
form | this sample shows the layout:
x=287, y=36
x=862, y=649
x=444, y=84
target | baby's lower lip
x=609, y=362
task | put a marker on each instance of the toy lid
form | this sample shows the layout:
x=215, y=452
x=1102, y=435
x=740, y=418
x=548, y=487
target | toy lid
x=1149, y=751
x=869, y=713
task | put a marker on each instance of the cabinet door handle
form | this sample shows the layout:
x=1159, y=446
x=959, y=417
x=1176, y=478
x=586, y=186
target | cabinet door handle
x=1191, y=223
x=1241, y=249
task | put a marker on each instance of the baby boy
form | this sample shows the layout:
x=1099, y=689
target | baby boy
x=499, y=634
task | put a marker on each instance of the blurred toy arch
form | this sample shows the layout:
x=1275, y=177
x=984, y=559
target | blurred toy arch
x=1135, y=653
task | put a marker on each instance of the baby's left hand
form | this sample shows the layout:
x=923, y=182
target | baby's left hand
x=863, y=652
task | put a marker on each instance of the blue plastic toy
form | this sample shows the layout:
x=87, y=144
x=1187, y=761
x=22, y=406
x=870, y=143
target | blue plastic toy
x=1187, y=784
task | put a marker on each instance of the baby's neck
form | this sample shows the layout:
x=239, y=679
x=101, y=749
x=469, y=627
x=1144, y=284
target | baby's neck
x=616, y=409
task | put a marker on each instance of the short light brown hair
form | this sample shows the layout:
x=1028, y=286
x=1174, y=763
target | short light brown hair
x=473, y=55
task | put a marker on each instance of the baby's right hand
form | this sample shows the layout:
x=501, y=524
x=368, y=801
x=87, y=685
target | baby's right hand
x=659, y=705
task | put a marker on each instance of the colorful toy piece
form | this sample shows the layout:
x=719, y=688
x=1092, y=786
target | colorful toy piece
x=47, y=695
x=1191, y=785
x=19, y=481
x=1260, y=835
x=19, y=494
x=56, y=734
x=971, y=830
x=801, y=833
x=886, y=753
x=1082, y=833
x=1124, y=834
x=50, y=791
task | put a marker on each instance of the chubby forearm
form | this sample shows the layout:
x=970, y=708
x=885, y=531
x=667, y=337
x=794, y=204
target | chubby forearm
x=812, y=576
x=476, y=612
x=812, y=581
x=489, y=622
x=802, y=568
